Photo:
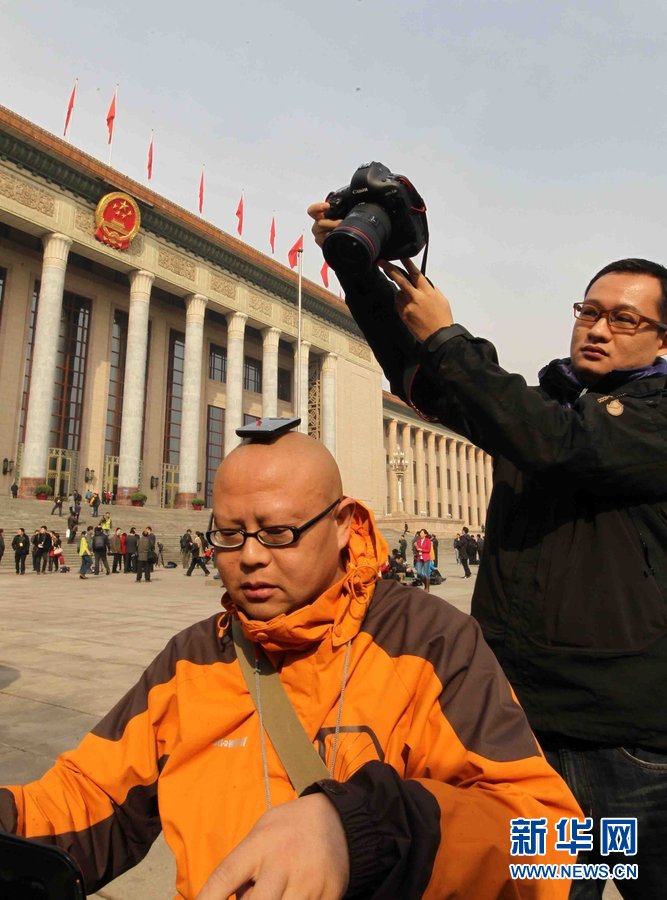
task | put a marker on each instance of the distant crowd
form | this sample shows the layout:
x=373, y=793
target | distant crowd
x=423, y=572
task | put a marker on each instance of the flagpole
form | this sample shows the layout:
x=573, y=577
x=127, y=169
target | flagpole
x=113, y=127
x=304, y=425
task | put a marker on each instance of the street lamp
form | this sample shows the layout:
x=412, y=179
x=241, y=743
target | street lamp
x=399, y=467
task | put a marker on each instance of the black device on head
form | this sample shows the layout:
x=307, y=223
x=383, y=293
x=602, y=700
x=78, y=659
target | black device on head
x=383, y=218
x=263, y=431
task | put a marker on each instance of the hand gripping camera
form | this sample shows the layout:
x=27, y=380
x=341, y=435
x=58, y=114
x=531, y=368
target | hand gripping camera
x=383, y=218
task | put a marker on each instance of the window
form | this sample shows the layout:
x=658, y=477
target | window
x=172, y=424
x=217, y=363
x=28, y=361
x=70, y=373
x=215, y=439
x=284, y=385
x=116, y=383
x=252, y=375
x=248, y=419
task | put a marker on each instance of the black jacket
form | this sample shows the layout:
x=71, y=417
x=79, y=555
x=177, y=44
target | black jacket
x=572, y=589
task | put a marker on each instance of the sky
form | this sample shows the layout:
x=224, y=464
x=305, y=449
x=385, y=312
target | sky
x=535, y=132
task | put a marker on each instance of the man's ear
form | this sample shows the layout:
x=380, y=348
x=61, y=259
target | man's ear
x=344, y=519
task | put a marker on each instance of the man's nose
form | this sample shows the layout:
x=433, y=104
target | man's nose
x=254, y=553
x=600, y=329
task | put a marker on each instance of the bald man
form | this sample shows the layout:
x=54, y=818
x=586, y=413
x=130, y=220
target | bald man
x=429, y=756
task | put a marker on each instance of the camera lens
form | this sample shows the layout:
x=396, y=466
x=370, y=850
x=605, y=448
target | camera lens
x=355, y=245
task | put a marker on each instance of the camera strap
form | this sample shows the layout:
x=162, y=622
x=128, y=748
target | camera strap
x=300, y=759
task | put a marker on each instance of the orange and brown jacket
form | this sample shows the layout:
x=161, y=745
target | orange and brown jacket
x=434, y=759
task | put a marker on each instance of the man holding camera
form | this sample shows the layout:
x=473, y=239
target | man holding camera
x=572, y=589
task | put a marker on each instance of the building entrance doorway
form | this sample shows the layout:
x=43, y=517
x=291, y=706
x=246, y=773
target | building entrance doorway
x=169, y=485
x=62, y=471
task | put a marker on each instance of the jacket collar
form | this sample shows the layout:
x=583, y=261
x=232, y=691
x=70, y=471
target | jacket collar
x=340, y=610
x=559, y=381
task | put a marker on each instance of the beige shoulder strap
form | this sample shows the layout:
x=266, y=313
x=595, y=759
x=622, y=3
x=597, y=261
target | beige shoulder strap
x=301, y=760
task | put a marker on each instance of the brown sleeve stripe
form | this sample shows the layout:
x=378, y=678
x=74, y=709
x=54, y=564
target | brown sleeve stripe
x=112, y=846
x=199, y=644
x=476, y=697
x=8, y=812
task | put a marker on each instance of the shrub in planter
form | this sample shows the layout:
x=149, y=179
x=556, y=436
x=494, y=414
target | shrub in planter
x=137, y=498
x=198, y=503
x=42, y=491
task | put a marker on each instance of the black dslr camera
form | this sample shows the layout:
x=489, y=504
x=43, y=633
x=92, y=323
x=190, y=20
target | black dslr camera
x=383, y=218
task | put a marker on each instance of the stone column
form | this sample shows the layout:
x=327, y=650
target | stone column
x=442, y=461
x=392, y=446
x=433, y=474
x=234, y=402
x=463, y=471
x=453, y=479
x=329, y=402
x=481, y=486
x=408, y=482
x=188, y=463
x=421, y=471
x=44, y=353
x=472, y=470
x=303, y=412
x=134, y=385
x=270, y=339
x=488, y=473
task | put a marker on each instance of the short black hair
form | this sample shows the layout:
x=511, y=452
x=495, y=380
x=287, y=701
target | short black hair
x=638, y=267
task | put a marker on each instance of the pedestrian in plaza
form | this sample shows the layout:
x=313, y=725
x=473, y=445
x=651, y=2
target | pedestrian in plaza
x=462, y=546
x=72, y=525
x=455, y=544
x=480, y=546
x=131, y=546
x=77, y=505
x=472, y=551
x=116, y=547
x=143, y=556
x=402, y=546
x=415, y=553
x=85, y=552
x=14, y=489
x=434, y=542
x=186, y=548
x=106, y=524
x=21, y=548
x=95, y=504
x=43, y=545
x=423, y=566
x=2, y=544
x=197, y=552
x=56, y=553
x=100, y=546
x=58, y=501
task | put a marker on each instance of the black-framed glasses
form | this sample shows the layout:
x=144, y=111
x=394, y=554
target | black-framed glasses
x=619, y=319
x=272, y=536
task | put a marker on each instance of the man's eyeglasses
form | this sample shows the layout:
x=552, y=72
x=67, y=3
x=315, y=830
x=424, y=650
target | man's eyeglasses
x=273, y=536
x=619, y=319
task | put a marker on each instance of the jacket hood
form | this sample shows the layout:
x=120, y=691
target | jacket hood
x=339, y=611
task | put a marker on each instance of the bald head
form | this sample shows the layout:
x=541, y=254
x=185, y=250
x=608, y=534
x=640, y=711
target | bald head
x=299, y=462
x=289, y=483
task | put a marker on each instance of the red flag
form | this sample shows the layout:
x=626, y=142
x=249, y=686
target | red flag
x=111, y=115
x=201, y=191
x=293, y=255
x=324, y=272
x=70, y=107
x=150, y=158
x=239, y=215
x=272, y=234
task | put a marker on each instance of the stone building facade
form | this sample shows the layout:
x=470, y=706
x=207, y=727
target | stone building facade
x=128, y=370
